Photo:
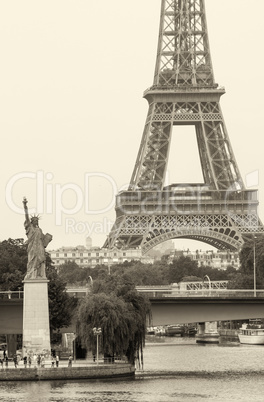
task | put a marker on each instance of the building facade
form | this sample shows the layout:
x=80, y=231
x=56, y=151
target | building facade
x=214, y=259
x=93, y=256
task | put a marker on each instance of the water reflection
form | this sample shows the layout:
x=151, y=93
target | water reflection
x=179, y=370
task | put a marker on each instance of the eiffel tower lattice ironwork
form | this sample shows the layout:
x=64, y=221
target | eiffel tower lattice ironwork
x=220, y=211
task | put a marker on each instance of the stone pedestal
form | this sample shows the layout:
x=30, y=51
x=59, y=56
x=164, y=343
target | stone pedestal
x=36, y=329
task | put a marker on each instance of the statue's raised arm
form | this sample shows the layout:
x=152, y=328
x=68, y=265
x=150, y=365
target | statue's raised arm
x=26, y=209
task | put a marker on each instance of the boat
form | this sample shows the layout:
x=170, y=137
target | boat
x=174, y=330
x=252, y=333
x=150, y=331
x=191, y=331
x=160, y=331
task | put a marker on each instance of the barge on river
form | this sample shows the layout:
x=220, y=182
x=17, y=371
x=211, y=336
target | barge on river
x=252, y=333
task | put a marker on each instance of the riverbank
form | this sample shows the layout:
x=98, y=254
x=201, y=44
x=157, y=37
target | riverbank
x=82, y=371
x=196, y=374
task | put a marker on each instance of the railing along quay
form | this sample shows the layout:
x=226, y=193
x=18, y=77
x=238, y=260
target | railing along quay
x=10, y=294
x=159, y=292
x=218, y=293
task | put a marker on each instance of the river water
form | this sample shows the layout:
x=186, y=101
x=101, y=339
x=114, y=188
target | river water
x=177, y=369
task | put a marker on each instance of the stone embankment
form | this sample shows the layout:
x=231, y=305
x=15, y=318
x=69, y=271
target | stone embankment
x=67, y=373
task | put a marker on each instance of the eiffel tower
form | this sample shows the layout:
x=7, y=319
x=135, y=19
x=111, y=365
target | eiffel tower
x=221, y=211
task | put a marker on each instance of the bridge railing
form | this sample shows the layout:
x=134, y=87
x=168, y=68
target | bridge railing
x=219, y=293
x=10, y=294
x=159, y=292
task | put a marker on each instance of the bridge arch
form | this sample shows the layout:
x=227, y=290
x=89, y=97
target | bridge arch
x=217, y=237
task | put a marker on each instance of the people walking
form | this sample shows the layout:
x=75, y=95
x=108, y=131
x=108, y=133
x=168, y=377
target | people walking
x=25, y=361
x=38, y=360
x=6, y=361
x=57, y=360
x=35, y=360
x=70, y=361
x=42, y=361
x=15, y=360
x=52, y=361
x=1, y=362
x=29, y=361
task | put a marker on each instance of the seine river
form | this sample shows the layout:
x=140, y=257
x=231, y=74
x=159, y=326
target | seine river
x=176, y=370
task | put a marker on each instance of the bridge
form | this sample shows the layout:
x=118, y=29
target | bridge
x=169, y=305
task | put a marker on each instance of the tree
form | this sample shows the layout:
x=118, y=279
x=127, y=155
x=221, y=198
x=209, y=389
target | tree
x=182, y=267
x=120, y=311
x=61, y=305
x=72, y=273
x=244, y=278
x=246, y=257
x=13, y=264
x=240, y=281
x=13, y=267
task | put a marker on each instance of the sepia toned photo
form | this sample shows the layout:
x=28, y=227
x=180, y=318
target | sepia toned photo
x=132, y=207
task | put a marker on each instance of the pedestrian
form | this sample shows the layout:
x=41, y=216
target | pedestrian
x=70, y=361
x=42, y=361
x=6, y=361
x=52, y=361
x=38, y=360
x=29, y=361
x=94, y=358
x=57, y=360
x=35, y=360
x=25, y=361
x=15, y=360
x=1, y=362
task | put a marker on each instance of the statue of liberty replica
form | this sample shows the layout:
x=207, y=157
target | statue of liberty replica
x=36, y=329
x=36, y=244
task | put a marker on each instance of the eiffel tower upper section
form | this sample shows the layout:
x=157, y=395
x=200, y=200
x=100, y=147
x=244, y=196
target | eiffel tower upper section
x=220, y=211
x=184, y=90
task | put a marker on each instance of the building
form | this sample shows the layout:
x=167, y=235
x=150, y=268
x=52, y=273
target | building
x=91, y=256
x=216, y=259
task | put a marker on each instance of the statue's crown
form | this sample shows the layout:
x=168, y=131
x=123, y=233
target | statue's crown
x=32, y=217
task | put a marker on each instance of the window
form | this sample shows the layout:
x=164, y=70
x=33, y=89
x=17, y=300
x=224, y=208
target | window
x=65, y=254
x=124, y=254
x=73, y=254
x=57, y=254
x=81, y=254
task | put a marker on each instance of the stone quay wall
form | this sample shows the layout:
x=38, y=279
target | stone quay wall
x=67, y=373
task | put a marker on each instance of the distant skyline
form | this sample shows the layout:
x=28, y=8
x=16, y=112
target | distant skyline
x=72, y=113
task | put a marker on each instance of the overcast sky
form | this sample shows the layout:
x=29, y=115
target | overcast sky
x=72, y=114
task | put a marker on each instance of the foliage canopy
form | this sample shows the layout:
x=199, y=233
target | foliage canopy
x=121, y=312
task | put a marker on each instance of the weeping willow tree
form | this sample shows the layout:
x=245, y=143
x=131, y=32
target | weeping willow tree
x=121, y=313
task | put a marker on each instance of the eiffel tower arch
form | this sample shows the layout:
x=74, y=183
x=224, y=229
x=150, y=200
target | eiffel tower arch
x=220, y=211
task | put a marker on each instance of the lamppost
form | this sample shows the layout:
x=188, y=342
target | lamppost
x=97, y=332
x=254, y=265
x=91, y=279
x=209, y=283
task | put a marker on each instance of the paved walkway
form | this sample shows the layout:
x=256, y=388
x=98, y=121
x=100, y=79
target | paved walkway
x=62, y=363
